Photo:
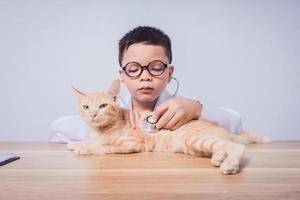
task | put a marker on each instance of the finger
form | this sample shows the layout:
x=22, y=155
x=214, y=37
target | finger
x=178, y=124
x=160, y=110
x=125, y=114
x=132, y=119
x=173, y=121
x=136, y=117
x=165, y=118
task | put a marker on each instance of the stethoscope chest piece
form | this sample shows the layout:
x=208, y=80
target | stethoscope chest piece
x=149, y=124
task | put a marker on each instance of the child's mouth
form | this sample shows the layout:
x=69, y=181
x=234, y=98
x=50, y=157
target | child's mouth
x=145, y=89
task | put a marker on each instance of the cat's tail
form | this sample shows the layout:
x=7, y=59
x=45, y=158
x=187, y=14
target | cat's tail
x=250, y=137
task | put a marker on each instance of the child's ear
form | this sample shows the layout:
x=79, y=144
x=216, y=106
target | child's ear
x=121, y=75
x=171, y=71
x=78, y=92
x=114, y=89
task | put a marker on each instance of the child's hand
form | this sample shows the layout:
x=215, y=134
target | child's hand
x=176, y=112
x=131, y=117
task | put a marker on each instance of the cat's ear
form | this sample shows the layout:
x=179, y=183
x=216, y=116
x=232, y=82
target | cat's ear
x=114, y=89
x=78, y=92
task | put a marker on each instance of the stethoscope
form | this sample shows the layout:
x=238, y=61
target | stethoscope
x=149, y=123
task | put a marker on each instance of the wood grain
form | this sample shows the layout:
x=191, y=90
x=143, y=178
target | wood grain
x=50, y=171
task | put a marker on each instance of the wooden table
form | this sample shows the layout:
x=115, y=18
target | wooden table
x=50, y=171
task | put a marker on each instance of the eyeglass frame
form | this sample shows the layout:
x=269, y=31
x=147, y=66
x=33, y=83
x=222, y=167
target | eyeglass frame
x=146, y=67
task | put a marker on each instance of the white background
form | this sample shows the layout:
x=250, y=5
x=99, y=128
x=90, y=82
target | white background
x=238, y=54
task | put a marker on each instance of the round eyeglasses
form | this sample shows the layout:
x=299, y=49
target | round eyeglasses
x=155, y=68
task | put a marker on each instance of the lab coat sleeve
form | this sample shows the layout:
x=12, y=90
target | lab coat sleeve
x=68, y=128
x=224, y=117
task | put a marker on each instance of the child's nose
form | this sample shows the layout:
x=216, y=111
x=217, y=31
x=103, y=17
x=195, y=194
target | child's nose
x=145, y=75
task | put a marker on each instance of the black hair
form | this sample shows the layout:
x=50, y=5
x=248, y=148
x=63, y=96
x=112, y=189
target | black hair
x=147, y=35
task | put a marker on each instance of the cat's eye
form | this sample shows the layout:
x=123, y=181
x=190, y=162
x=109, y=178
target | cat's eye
x=85, y=107
x=103, y=105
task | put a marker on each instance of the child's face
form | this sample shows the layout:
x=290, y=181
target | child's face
x=146, y=88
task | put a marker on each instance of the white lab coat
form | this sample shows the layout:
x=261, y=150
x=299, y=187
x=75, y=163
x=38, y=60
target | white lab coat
x=73, y=127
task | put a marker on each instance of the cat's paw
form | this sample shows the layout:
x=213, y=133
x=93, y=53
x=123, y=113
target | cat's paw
x=230, y=166
x=218, y=158
x=72, y=145
x=83, y=150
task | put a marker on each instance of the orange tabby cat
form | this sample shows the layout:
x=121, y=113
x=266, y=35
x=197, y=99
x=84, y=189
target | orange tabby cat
x=109, y=134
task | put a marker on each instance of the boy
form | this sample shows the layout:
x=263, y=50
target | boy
x=145, y=58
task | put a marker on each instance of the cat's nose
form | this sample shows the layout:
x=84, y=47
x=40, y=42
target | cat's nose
x=93, y=115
